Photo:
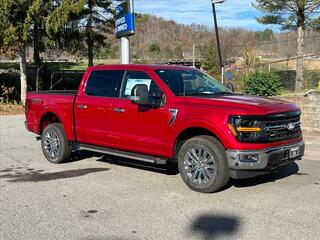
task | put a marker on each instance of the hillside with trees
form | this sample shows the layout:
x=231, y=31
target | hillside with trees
x=157, y=38
x=39, y=32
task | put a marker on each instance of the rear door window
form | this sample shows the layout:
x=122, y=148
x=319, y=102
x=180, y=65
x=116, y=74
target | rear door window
x=104, y=83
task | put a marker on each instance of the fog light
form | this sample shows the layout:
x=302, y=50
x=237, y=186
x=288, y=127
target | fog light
x=249, y=158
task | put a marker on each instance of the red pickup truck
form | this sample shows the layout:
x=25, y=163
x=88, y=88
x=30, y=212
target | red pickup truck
x=160, y=113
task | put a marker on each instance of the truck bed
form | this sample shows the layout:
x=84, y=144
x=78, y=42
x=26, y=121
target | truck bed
x=41, y=103
x=59, y=92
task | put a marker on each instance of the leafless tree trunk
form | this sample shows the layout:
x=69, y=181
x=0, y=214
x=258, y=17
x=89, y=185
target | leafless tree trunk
x=23, y=72
x=300, y=60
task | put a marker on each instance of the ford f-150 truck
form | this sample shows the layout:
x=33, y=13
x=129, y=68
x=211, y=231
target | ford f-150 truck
x=160, y=113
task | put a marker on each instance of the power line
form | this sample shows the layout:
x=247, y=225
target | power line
x=276, y=42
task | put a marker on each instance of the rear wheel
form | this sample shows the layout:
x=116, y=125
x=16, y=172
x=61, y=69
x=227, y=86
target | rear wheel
x=203, y=165
x=55, y=146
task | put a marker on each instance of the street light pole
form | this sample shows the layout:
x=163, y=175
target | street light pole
x=217, y=35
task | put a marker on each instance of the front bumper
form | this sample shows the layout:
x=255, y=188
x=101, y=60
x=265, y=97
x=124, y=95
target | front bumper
x=263, y=161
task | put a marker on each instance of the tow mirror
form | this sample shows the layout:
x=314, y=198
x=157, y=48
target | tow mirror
x=140, y=95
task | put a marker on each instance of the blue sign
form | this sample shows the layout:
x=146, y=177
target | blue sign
x=229, y=75
x=125, y=25
x=125, y=21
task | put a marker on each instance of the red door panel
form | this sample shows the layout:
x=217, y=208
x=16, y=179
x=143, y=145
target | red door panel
x=140, y=129
x=93, y=108
x=94, y=120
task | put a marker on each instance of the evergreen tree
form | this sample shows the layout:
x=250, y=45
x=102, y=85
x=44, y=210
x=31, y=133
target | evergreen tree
x=292, y=15
x=98, y=19
x=178, y=52
x=265, y=35
x=82, y=21
x=154, y=48
x=13, y=31
x=210, y=63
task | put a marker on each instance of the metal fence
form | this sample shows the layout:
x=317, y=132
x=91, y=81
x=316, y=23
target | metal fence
x=284, y=68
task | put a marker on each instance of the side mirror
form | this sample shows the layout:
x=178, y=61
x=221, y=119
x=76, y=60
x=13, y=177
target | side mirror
x=230, y=86
x=140, y=95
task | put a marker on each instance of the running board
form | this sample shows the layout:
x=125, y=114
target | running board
x=135, y=156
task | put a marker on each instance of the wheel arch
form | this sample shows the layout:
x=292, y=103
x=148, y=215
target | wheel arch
x=48, y=118
x=191, y=132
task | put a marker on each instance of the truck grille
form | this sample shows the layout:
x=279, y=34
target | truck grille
x=281, y=127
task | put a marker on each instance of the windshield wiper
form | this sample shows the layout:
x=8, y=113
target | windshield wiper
x=210, y=94
x=223, y=93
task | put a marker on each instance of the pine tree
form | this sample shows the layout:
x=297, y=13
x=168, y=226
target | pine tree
x=210, y=63
x=61, y=27
x=98, y=20
x=82, y=21
x=13, y=15
x=292, y=15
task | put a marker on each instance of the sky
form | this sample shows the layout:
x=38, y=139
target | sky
x=231, y=13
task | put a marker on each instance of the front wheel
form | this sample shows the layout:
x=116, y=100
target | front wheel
x=55, y=146
x=203, y=164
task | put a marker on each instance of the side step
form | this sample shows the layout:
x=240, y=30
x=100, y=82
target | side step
x=114, y=152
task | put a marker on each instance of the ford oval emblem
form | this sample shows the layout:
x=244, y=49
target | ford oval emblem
x=119, y=10
x=290, y=126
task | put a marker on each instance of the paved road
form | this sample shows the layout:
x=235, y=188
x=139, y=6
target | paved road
x=96, y=197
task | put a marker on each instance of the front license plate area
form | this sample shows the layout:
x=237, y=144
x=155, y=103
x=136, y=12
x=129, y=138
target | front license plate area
x=294, y=152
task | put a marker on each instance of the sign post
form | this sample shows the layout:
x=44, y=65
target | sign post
x=125, y=27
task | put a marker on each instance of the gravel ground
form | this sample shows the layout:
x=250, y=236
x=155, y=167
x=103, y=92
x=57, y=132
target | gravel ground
x=98, y=197
x=10, y=109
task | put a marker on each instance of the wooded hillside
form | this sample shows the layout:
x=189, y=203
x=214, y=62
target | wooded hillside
x=157, y=38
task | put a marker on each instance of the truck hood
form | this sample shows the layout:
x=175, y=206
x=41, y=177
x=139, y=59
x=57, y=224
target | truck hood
x=259, y=105
x=250, y=100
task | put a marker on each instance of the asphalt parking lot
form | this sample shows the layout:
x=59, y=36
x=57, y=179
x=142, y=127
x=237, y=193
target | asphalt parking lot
x=97, y=197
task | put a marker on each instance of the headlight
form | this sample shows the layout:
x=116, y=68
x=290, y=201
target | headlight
x=245, y=129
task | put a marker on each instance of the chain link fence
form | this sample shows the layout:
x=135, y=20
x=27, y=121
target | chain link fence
x=237, y=73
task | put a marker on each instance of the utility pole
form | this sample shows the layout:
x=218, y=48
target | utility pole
x=214, y=2
x=193, y=55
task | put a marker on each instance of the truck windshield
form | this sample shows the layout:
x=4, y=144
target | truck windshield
x=191, y=83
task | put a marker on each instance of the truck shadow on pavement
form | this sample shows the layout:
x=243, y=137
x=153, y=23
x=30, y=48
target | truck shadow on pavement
x=168, y=169
x=211, y=226
x=40, y=176
x=82, y=155
x=172, y=169
x=283, y=172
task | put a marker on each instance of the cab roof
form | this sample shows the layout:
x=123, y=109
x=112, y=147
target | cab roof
x=138, y=67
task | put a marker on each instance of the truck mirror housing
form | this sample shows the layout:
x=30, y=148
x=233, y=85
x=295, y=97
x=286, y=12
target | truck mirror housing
x=231, y=87
x=140, y=95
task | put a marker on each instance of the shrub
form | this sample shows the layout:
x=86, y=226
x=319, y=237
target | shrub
x=5, y=93
x=263, y=84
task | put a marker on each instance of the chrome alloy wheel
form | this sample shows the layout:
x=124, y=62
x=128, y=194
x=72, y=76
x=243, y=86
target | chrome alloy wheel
x=52, y=144
x=199, y=166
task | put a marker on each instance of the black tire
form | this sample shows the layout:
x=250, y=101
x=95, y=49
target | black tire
x=215, y=162
x=63, y=153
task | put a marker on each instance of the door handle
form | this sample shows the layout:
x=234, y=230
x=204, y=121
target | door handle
x=119, y=110
x=82, y=106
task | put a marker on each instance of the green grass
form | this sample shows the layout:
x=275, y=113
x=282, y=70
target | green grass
x=9, y=65
x=52, y=65
x=58, y=66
